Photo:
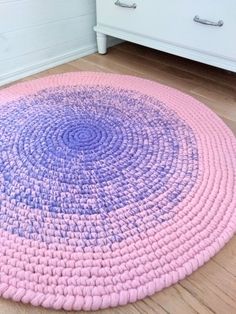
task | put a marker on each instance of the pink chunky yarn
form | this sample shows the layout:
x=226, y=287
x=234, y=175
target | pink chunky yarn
x=111, y=188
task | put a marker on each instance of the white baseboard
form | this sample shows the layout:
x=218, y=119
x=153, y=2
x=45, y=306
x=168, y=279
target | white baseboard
x=52, y=62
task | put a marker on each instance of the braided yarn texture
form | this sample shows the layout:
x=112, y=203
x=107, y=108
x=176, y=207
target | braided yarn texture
x=111, y=188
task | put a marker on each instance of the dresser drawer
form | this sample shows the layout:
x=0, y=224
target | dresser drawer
x=172, y=21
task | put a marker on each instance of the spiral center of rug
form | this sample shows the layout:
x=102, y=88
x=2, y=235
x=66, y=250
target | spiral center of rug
x=95, y=164
x=80, y=135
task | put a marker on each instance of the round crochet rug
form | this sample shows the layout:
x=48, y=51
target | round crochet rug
x=111, y=188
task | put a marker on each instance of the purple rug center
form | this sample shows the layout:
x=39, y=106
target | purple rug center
x=87, y=151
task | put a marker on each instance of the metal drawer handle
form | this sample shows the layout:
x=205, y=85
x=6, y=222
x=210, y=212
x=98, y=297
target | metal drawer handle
x=124, y=5
x=207, y=22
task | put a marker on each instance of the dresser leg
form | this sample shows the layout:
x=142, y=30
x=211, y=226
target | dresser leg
x=102, y=43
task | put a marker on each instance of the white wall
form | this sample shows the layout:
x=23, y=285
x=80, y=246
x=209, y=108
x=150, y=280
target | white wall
x=38, y=34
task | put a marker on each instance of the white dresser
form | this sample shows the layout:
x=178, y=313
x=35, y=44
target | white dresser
x=201, y=30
